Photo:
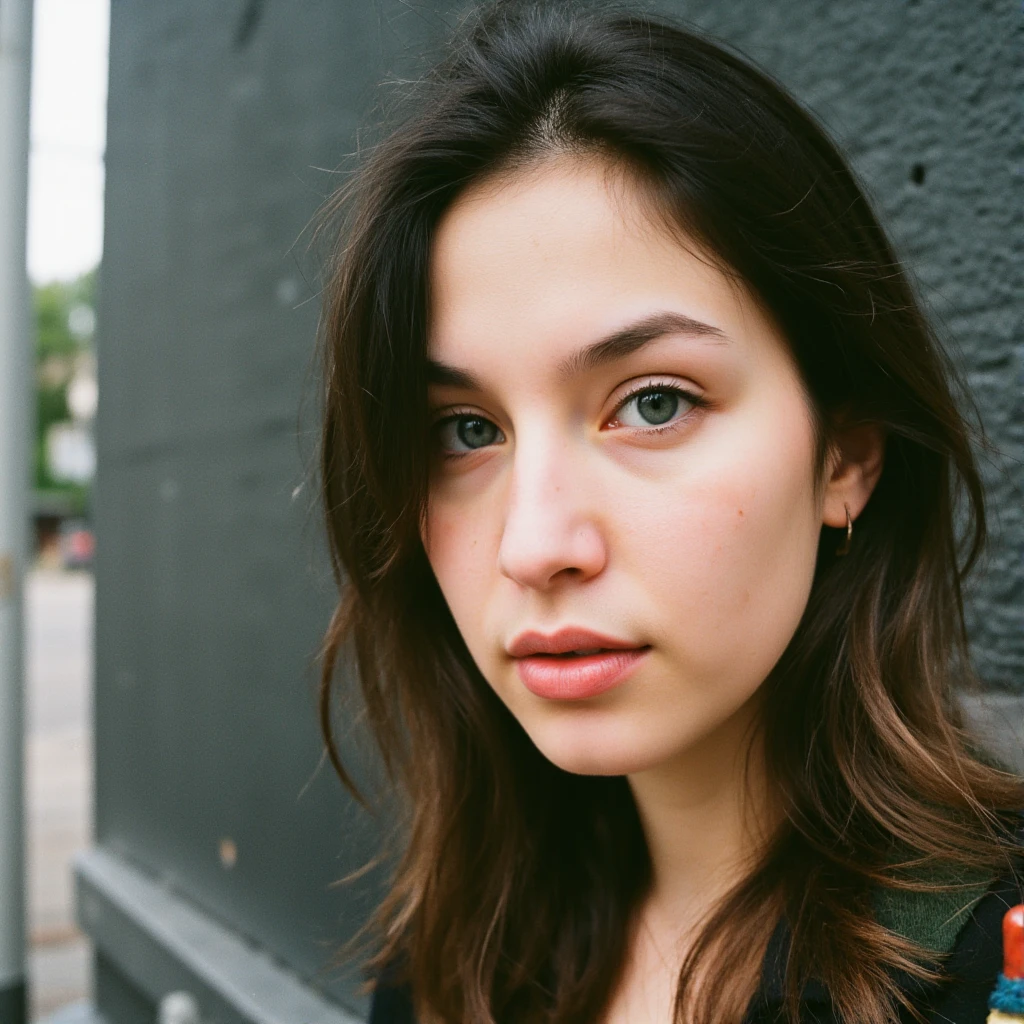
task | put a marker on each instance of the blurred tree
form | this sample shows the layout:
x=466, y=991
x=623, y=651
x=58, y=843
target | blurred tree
x=64, y=320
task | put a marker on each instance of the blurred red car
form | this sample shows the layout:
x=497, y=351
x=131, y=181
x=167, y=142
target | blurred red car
x=77, y=544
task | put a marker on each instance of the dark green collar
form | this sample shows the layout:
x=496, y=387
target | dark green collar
x=932, y=919
x=935, y=918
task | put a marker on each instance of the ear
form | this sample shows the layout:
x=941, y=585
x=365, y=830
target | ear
x=855, y=464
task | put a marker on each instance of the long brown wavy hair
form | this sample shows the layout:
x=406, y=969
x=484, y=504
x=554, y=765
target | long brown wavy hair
x=514, y=897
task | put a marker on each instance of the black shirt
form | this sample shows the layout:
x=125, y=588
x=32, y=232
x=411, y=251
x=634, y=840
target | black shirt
x=974, y=961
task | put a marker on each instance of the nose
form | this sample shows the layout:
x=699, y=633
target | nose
x=551, y=532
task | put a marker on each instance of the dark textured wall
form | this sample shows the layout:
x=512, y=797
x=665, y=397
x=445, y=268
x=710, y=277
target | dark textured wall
x=212, y=592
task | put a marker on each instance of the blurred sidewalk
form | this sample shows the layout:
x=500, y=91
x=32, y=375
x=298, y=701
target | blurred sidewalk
x=58, y=753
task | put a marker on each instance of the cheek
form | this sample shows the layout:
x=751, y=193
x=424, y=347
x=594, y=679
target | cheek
x=458, y=538
x=739, y=557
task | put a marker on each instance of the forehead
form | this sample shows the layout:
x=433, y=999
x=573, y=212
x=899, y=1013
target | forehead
x=553, y=256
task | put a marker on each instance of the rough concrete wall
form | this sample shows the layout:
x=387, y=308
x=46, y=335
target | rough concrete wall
x=925, y=96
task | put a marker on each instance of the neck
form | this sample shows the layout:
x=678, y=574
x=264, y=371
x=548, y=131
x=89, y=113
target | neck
x=706, y=817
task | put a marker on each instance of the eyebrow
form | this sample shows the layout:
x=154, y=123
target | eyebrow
x=617, y=345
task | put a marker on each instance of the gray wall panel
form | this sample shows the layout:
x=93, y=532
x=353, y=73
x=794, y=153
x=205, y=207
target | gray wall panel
x=213, y=591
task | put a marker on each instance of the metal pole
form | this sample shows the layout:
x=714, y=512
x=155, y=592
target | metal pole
x=15, y=388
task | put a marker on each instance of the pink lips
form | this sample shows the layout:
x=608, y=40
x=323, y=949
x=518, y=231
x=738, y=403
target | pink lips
x=548, y=668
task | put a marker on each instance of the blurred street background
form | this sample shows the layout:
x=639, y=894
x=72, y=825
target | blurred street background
x=65, y=230
x=58, y=754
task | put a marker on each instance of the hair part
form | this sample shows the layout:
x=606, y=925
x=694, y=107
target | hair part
x=517, y=890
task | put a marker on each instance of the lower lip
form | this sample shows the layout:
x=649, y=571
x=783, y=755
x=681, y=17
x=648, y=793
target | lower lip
x=580, y=677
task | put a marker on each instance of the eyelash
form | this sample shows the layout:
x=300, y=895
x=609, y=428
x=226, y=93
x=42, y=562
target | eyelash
x=692, y=399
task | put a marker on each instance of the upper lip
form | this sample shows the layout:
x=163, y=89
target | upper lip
x=562, y=641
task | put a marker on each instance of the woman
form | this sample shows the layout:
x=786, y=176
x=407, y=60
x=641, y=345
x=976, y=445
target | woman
x=641, y=466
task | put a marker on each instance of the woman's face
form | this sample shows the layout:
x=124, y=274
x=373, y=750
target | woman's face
x=625, y=468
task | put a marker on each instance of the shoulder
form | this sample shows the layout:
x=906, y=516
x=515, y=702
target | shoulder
x=962, y=926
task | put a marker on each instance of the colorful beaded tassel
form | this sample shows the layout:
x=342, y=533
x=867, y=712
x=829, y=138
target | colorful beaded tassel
x=1006, y=1004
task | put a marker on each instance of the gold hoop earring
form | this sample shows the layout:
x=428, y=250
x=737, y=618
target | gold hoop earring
x=844, y=548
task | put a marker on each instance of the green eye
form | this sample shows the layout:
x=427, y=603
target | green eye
x=653, y=407
x=657, y=407
x=467, y=433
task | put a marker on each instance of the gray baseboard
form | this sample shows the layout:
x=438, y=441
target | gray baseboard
x=79, y=1013
x=162, y=943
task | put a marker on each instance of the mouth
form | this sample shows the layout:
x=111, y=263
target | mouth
x=574, y=663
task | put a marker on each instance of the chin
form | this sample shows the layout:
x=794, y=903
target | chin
x=589, y=748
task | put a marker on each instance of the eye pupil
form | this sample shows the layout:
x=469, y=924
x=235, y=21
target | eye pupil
x=476, y=432
x=657, y=406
